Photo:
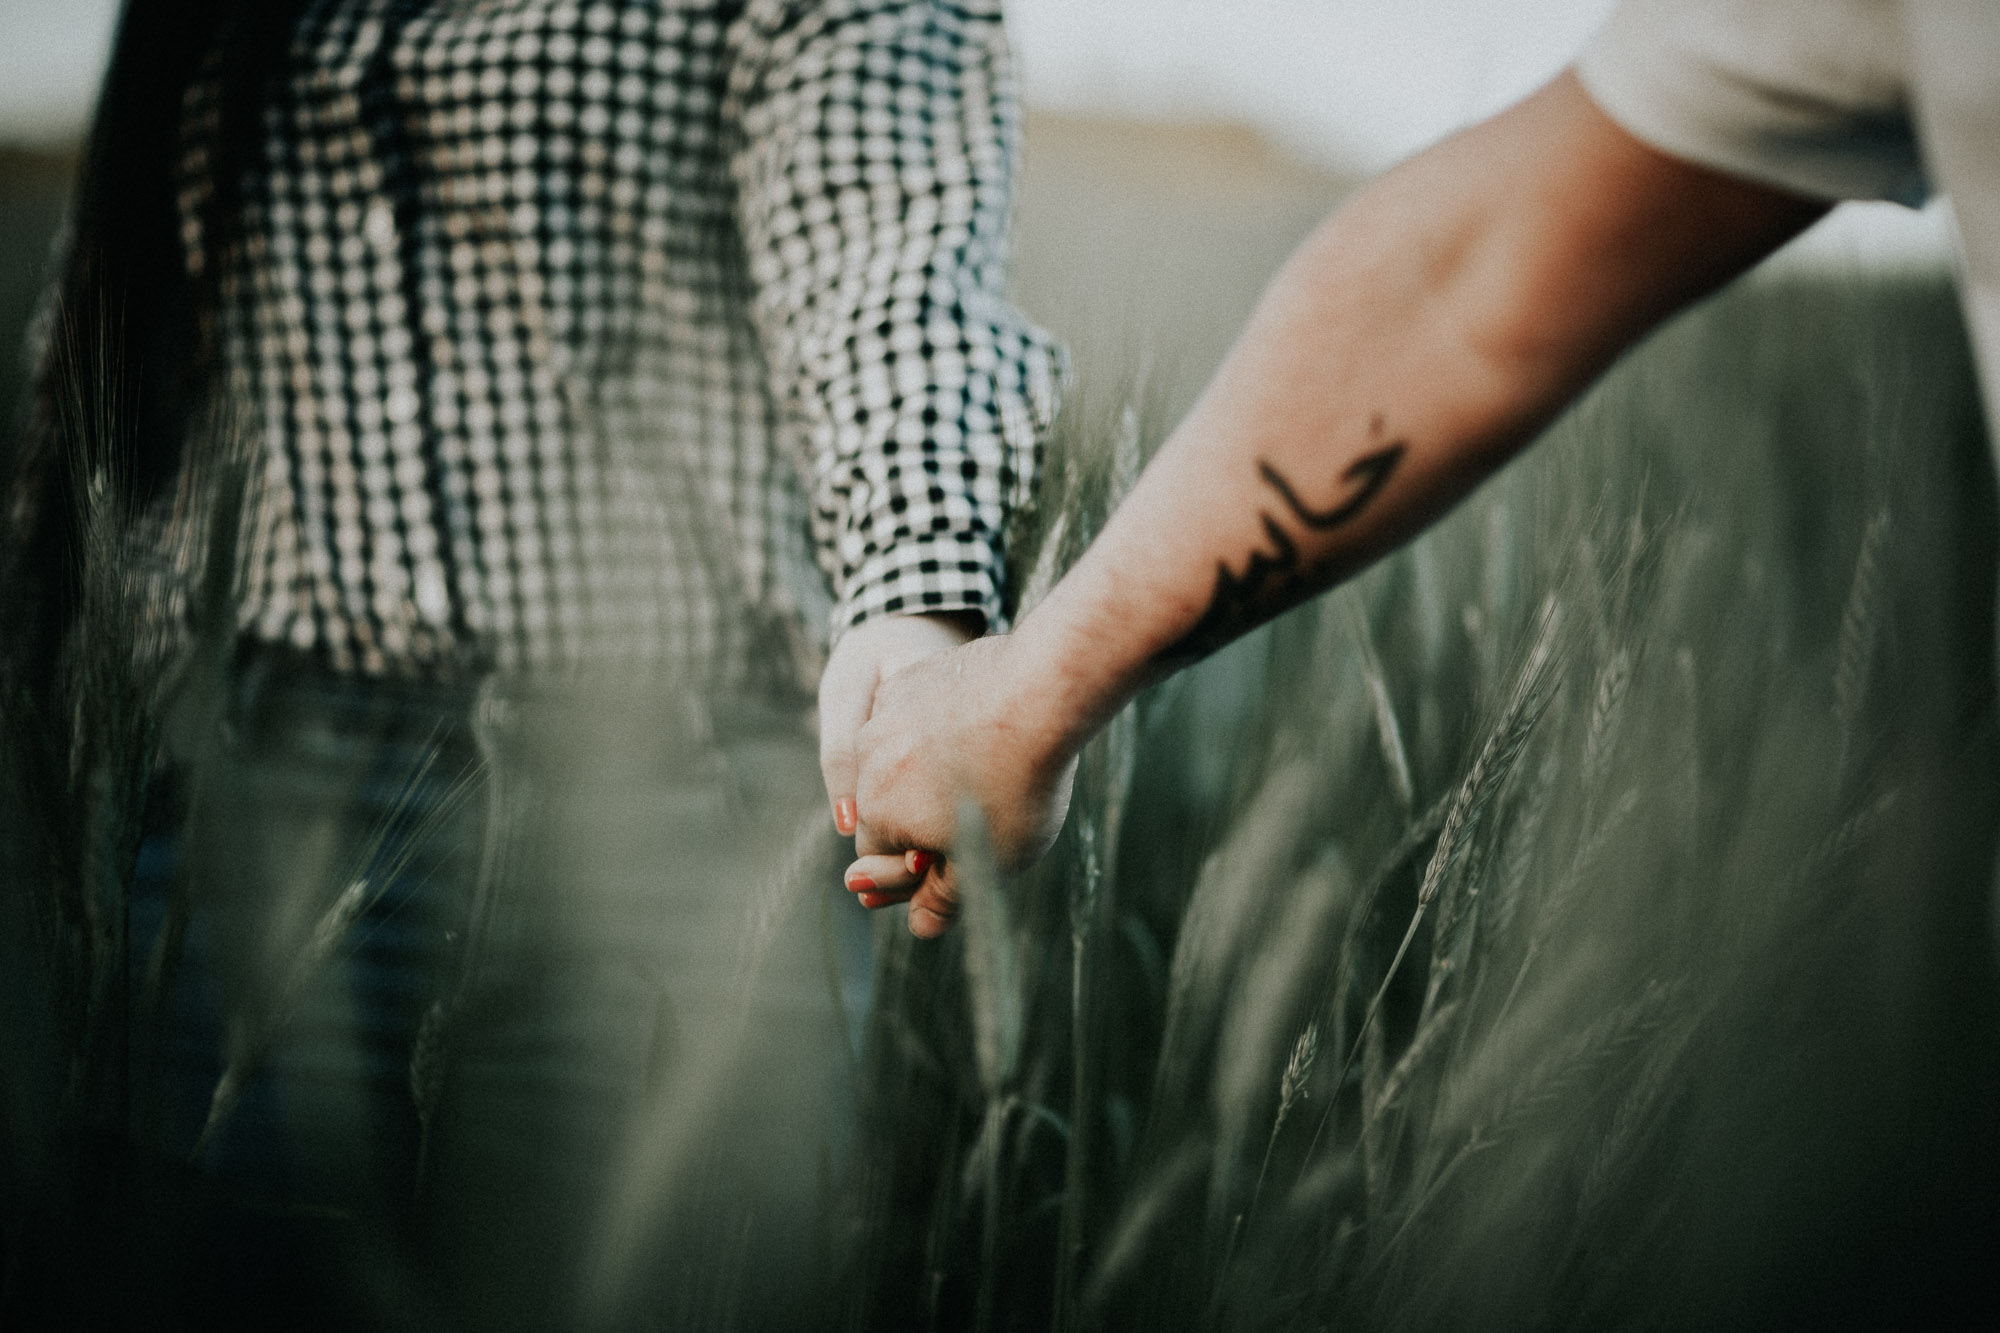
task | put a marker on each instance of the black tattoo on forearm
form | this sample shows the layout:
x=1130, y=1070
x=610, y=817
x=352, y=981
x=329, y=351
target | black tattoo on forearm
x=1276, y=579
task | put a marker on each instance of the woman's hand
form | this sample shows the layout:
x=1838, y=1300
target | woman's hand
x=865, y=656
x=957, y=726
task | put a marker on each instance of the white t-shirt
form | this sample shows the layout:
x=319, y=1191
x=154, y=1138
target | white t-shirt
x=1839, y=99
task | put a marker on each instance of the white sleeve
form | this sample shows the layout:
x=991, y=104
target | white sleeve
x=1806, y=95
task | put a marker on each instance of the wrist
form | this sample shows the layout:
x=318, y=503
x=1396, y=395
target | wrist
x=1057, y=687
x=900, y=633
x=966, y=624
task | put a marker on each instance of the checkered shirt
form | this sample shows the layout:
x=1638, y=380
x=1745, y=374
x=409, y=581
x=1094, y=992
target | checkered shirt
x=636, y=331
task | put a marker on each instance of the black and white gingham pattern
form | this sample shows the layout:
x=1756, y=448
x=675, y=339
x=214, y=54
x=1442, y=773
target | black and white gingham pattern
x=584, y=330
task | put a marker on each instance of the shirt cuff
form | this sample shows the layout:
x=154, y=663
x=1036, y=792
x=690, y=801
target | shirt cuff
x=941, y=572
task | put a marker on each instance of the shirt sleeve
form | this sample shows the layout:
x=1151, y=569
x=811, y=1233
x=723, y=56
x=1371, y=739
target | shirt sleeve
x=873, y=177
x=1806, y=95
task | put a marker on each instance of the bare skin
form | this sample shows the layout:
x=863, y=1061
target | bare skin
x=1418, y=339
x=865, y=656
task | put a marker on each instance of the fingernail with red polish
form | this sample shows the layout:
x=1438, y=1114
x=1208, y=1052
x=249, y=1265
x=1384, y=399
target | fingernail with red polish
x=843, y=815
x=871, y=901
x=919, y=862
x=860, y=884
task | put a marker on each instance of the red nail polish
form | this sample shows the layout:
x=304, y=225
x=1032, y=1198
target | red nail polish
x=860, y=884
x=871, y=901
x=843, y=815
x=921, y=861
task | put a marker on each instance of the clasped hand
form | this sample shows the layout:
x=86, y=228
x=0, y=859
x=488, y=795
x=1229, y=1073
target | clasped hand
x=915, y=720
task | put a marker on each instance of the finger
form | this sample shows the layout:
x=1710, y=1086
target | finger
x=880, y=879
x=846, y=693
x=934, y=906
x=882, y=874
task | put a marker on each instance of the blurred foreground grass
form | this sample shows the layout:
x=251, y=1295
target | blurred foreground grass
x=33, y=184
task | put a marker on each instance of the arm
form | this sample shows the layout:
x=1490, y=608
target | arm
x=877, y=141
x=1421, y=337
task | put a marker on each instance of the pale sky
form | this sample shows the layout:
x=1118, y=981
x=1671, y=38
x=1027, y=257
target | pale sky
x=51, y=53
x=1352, y=83
x=1355, y=83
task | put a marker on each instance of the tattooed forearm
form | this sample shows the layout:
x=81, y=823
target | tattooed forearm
x=1276, y=578
x=1370, y=472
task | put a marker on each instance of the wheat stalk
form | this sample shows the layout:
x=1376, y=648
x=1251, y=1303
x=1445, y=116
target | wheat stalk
x=1532, y=689
x=1388, y=731
x=383, y=858
x=1857, y=628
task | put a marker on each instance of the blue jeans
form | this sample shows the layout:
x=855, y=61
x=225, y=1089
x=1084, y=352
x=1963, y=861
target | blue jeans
x=542, y=1005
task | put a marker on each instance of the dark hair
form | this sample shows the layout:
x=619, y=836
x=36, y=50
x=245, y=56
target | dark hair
x=128, y=346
